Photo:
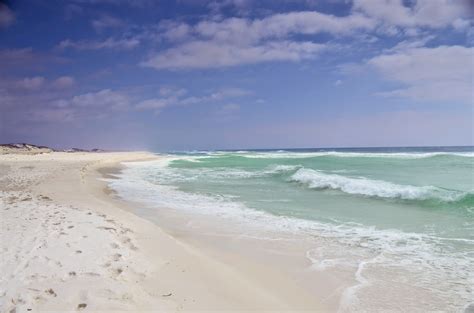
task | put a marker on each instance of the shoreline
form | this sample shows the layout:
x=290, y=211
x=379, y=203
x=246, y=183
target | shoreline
x=129, y=264
x=264, y=277
x=264, y=258
x=346, y=268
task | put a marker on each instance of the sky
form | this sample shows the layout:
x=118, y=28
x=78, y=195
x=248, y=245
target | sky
x=235, y=74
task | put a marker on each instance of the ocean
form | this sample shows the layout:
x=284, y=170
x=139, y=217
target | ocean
x=402, y=219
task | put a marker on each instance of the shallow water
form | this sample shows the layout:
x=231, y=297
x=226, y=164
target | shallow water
x=405, y=216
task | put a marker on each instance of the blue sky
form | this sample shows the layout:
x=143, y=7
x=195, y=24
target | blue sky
x=196, y=74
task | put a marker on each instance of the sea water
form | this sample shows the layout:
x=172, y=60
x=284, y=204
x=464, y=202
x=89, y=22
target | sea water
x=403, y=216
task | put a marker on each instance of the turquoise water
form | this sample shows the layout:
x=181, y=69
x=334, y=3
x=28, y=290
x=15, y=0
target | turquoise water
x=415, y=205
x=432, y=195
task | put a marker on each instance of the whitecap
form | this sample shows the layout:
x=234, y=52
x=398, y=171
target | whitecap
x=371, y=187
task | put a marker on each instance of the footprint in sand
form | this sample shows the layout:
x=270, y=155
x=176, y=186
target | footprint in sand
x=117, y=256
x=125, y=230
x=51, y=292
x=127, y=241
x=111, y=229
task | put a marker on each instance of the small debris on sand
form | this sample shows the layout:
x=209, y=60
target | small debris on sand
x=81, y=306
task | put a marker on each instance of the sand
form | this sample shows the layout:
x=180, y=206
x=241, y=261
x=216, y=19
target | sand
x=68, y=244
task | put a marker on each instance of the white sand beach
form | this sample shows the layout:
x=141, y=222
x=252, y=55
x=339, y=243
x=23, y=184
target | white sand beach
x=67, y=245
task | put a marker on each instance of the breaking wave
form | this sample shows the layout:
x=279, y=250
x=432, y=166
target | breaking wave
x=374, y=188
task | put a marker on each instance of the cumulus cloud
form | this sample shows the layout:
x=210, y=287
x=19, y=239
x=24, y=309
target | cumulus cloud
x=439, y=73
x=223, y=42
x=236, y=41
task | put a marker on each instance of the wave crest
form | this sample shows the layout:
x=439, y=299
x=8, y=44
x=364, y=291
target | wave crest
x=373, y=188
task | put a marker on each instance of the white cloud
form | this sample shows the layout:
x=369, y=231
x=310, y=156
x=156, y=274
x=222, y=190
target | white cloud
x=168, y=91
x=169, y=96
x=109, y=43
x=6, y=16
x=105, y=98
x=174, y=31
x=408, y=44
x=211, y=54
x=281, y=26
x=176, y=96
x=104, y=102
x=214, y=43
x=36, y=83
x=235, y=41
x=443, y=73
x=423, y=13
